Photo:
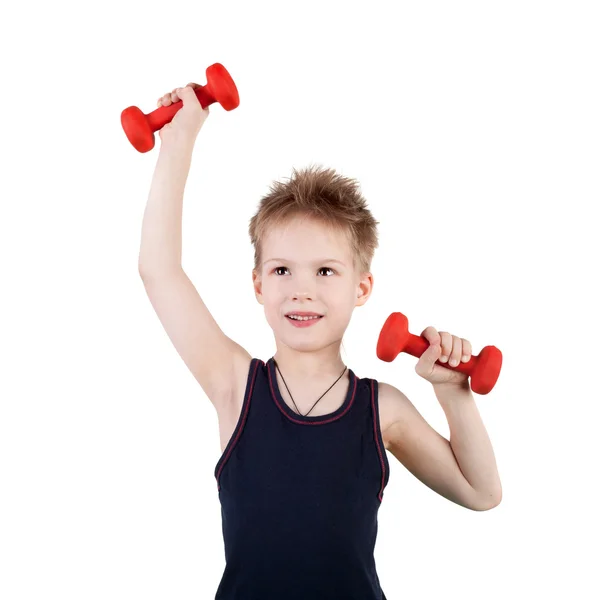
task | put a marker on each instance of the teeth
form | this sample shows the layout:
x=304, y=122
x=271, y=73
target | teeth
x=302, y=318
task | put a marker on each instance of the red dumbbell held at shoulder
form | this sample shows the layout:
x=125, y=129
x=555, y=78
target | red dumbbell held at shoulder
x=453, y=354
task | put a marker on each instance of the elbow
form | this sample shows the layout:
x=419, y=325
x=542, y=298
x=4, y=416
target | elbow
x=488, y=502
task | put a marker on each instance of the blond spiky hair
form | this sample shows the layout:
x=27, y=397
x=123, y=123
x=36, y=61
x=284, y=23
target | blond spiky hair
x=325, y=196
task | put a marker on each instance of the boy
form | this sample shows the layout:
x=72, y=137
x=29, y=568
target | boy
x=303, y=465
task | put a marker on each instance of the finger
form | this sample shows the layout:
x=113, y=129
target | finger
x=176, y=93
x=171, y=97
x=165, y=100
x=427, y=360
x=467, y=351
x=446, y=343
x=431, y=335
x=456, y=353
x=188, y=96
x=432, y=355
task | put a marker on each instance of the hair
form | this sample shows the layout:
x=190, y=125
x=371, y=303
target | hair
x=322, y=195
x=326, y=197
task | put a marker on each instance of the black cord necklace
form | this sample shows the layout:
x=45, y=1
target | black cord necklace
x=288, y=389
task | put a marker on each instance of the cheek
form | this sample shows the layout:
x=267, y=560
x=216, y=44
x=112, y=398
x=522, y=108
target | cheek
x=274, y=313
x=273, y=320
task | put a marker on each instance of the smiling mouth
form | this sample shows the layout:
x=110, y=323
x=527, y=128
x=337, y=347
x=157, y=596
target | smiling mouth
x=303, y=320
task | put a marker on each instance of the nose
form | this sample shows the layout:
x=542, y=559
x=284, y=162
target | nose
x=308, y=290
x=305, y=295
x=302, y=285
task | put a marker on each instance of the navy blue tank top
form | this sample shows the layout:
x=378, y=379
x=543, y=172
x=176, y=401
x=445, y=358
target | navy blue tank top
x=300, y=495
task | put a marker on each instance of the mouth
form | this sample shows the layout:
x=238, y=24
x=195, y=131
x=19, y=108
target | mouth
x=303, y=322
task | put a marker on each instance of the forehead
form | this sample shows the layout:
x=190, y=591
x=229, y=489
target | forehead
x=305, y=237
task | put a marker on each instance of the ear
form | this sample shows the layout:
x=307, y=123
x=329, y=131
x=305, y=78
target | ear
x=257, y=284
x=365, y=288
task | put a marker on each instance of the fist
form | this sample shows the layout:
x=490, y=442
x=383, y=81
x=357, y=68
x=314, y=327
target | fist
x=448, y=349
x=189, y=119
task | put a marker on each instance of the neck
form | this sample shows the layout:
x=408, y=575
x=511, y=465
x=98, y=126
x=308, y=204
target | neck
x=315, y=365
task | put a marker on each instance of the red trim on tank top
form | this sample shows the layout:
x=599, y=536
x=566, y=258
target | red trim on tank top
x=274, y=395
x=241, y=423
x=375, y=430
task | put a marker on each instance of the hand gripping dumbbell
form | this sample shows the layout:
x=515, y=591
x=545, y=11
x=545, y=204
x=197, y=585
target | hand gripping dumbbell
x=394, y=338
x=139, y=128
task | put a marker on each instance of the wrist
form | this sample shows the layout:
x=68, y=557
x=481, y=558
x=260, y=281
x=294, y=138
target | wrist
x=448, y=386
x=180, y=144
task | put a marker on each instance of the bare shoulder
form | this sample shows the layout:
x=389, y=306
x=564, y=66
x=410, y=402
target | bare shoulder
x=229, y=408
x=392, y=405
x=240, y=370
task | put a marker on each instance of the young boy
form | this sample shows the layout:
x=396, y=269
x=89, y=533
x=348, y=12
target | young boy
x=303, y=465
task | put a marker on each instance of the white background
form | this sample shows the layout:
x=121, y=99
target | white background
x=474, y=130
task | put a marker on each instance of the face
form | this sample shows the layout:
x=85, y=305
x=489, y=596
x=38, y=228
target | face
x=305, y=280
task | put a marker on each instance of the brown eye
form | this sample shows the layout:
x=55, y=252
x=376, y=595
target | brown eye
x=321, y=269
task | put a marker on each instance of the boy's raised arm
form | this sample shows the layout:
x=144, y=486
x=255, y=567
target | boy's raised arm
x=160, y=247
x=209, y=354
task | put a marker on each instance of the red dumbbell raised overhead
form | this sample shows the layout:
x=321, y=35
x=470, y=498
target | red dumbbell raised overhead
x=139, y=128
x=394, y=338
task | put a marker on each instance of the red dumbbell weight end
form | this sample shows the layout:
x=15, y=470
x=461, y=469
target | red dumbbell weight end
x=139, y=128
x=394, y=338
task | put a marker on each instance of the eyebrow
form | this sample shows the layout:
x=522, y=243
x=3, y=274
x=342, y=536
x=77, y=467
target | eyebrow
x=284, y=260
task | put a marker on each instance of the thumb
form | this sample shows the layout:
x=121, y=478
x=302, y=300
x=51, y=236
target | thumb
x=188, y=96
x=430, y=356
